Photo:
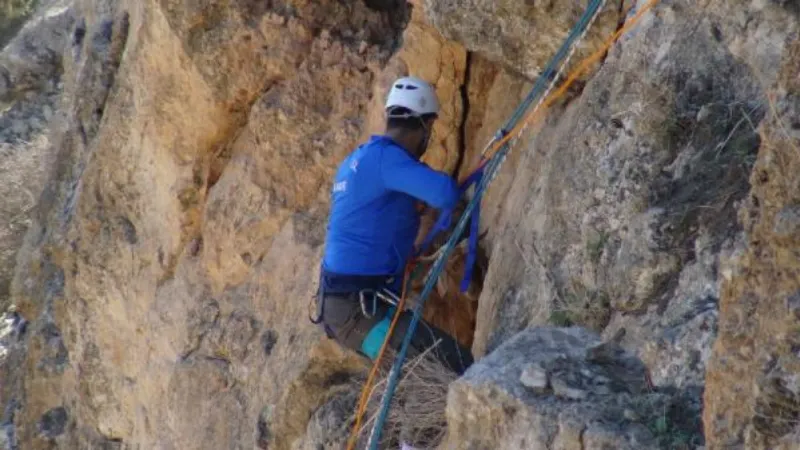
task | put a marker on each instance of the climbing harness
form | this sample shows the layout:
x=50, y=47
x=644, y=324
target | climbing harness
x=492, y=158
x=378, y=290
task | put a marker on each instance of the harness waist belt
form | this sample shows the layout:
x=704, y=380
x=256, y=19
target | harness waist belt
x=333, y=283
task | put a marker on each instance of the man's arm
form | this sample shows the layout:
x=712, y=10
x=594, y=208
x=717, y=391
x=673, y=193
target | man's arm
x=402, y=173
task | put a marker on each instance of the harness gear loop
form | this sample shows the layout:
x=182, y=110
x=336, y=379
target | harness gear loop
x=388, y=296
x=383, y=294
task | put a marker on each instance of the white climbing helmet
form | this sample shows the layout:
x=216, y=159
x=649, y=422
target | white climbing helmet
x=414, y=94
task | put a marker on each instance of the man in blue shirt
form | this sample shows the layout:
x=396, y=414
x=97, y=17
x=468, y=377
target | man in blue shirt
x=372, y=227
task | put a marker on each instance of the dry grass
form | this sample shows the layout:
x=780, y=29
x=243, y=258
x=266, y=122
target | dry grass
x=582, y=306
x=575, y=304
x=16, y=8
x=782, y=145
x=673, y=418
x=13, y=14
x=540, y=311
x=775, y=411
x=417, y=415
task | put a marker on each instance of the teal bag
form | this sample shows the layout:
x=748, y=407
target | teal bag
x=375, y=337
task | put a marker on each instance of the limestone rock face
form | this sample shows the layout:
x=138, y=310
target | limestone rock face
x=30, y=86
x=562, y=388
x=179, y=157
x=443, y=63
x=751, y=398
x=624, y=215
x=31, y=80
x=624, y=206
x=12, y=355
x=169, y=271
x=167, y=276
x=520, y=35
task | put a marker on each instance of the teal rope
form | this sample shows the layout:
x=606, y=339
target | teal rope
x=550, y=69
x=490, y=171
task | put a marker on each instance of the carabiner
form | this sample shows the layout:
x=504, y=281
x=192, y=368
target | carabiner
x=364, y=304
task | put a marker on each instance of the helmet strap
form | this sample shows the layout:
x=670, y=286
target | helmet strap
x=425, y=129
x=423, y=145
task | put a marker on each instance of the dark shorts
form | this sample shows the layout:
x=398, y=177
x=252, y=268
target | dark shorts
x=344, y=321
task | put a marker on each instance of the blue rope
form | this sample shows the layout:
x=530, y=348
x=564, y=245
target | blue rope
x=443, y=222
x=472, y=251
x=488, y=175
x=430, y=282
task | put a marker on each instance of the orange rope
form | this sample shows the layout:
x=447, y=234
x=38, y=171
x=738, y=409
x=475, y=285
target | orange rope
x=584, y=66
x=362, y=402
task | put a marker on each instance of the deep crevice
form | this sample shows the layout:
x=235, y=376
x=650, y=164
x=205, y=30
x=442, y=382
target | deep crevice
x=448, y=308
x=465, y=110
x=621, y=19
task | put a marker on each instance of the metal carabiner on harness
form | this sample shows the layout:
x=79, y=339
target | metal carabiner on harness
x=363, y=302
x=320, y=300
x=388, y=296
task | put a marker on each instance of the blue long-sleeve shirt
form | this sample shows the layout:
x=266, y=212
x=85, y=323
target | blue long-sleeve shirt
x=373, y=220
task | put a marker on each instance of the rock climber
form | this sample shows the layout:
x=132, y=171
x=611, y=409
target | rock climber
x=372, y=227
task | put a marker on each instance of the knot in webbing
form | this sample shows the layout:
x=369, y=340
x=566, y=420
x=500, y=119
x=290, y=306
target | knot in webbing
x=443, y=223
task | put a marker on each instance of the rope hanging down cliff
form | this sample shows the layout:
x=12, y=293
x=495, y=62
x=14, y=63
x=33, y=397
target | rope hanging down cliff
x=492, y=158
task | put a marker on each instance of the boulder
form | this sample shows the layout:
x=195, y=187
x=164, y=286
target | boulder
x=563, y=388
